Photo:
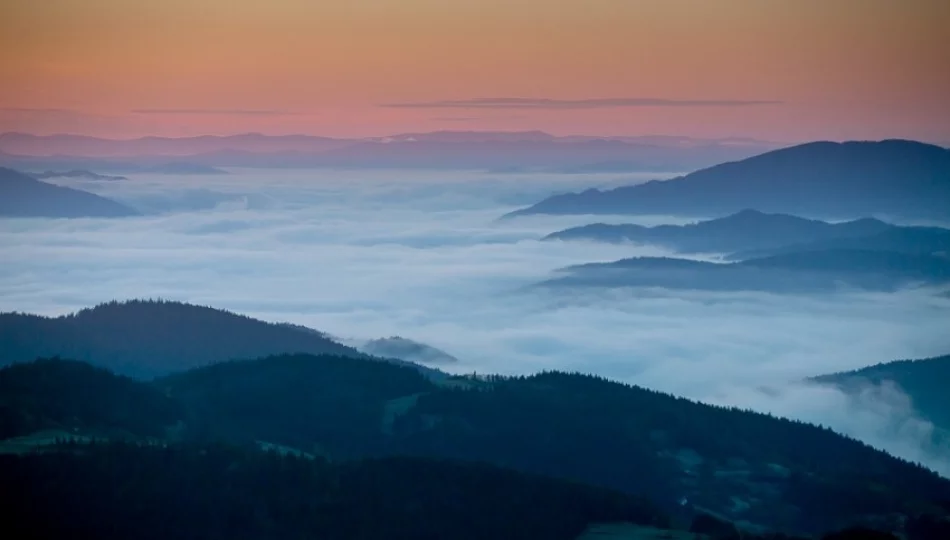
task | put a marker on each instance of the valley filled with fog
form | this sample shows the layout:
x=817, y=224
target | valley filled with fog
x=364, y=254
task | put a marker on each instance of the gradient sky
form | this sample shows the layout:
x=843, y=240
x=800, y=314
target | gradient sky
x=783, y=70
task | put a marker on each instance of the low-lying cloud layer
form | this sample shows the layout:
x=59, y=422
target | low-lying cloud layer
x=364, y=254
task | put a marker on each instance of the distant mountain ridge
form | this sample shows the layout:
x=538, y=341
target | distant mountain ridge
x=75, y=173
x=796, y=272
x=439, y=149
x=745, y=230
x=899, y=178
x=24, y=196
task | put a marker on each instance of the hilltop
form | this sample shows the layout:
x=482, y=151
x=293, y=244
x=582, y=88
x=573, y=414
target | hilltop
x=745, y=230
x=897, y=178
x=146, y=338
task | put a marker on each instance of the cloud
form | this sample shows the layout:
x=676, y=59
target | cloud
x=880, y=415
x=36, y=110
x=226, y=112
x=455, y=118
x=574, y=104
x=368, y=253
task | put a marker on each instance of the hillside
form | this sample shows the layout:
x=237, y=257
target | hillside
x=745, y=466
x=745, y=230
x=796, y=272
x=24, y=196
x=924, y=381
x=74, y=396
x=896, y=178
x=150, y=338
x=320, y=404
x=909, y=240
x=131, y=492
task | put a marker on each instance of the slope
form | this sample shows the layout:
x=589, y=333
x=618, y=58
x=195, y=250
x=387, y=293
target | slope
x=150, y=338
x=796, y=272
x=897, y=178
x=24, y=196
x=924, y=381
x=745, y=230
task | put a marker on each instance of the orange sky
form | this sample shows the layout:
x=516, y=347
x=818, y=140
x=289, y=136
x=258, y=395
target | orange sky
x=123, y=68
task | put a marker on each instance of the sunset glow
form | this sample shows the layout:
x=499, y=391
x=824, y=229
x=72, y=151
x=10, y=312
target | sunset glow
x=778, y=70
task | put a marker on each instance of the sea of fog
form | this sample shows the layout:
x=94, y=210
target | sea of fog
x=420, y=254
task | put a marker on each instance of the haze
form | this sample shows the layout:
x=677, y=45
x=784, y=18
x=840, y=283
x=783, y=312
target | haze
x=743, y=203
x=418, y=254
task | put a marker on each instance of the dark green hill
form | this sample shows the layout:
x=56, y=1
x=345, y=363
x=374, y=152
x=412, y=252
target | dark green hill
x=219, y=492
x=924, y=381
x=152, y=338
x=899, y=178
x=321, y=404
x=75, y=396
x=743, y=466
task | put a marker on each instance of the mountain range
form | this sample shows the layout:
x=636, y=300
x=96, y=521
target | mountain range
x=795, y=272
x=25, y=196
x=751, y=230
x=75, y=173
x=441, y=149
x=893, y=178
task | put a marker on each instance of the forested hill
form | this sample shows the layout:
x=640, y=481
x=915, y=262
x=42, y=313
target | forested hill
x=744, y=466
x=924, y=381
x=220, y=492
x=76, y=397
x=898, y=178
x=146, y=338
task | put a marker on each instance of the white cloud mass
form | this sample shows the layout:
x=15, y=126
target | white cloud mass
x=362, y=254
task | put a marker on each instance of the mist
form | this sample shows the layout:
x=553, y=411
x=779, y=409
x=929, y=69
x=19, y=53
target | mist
x=421, y=255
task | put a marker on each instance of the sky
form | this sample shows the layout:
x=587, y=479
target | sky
x=778, y=70
x=364, y=254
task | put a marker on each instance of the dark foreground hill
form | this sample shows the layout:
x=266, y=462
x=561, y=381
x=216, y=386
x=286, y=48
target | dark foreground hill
x=141, y=492
x=71, y=396
x=897, y=178
x=745, y=230
x=24, y=196
x=687, y=457
x=796, y=272
x=149, y=338
x=924, y=381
